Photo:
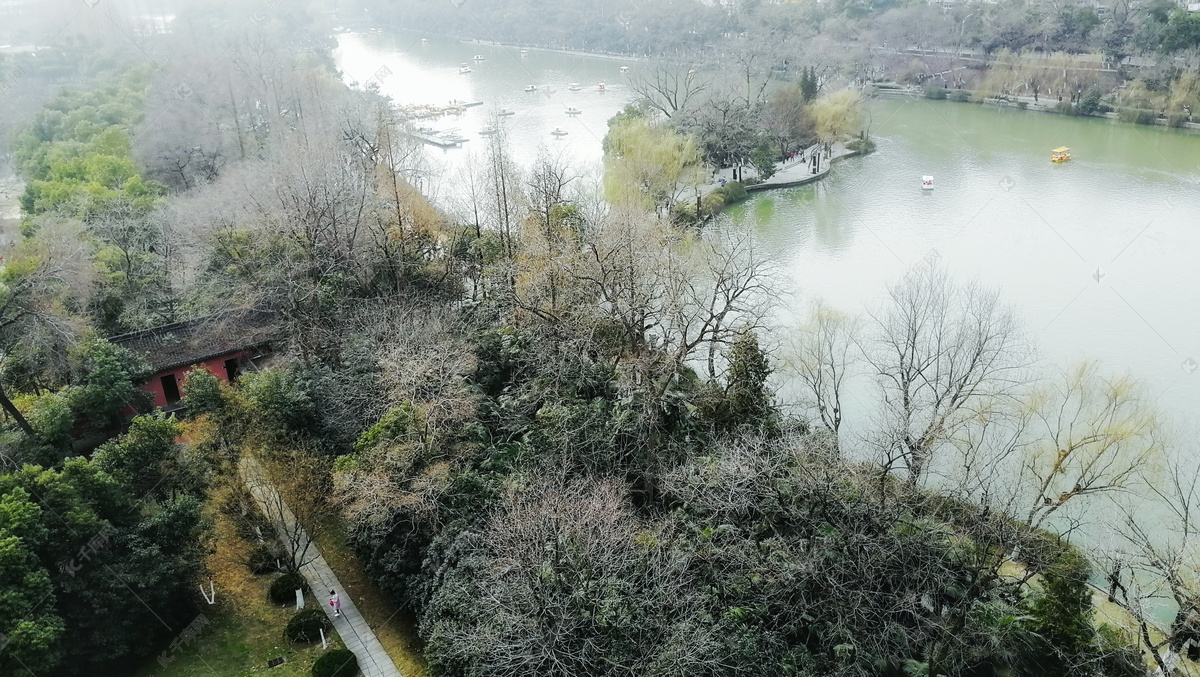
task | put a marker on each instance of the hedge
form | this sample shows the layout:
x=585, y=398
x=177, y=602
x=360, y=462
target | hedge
x=336, y=663
x=283, y=588
x=306, y=626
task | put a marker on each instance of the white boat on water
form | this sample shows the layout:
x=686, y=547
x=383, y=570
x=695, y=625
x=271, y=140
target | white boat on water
x=464, y=68
x=926, y=183
x=531, y=88
x=524, y=52
x=624, y=69
x=600, y=87
x=478, y=57
x=574, y=87
x=558, y=131
x=506, y=111
x=571, y=110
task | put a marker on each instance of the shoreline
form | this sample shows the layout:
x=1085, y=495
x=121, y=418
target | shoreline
x=612, y=56
x=896, y=90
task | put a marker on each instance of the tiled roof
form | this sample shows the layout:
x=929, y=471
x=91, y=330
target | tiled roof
x=184, y=343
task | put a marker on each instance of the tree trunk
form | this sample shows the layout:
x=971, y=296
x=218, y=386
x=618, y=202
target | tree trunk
x=12, y=410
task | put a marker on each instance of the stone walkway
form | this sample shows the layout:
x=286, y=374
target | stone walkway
x=358, y=637
x=787, y=173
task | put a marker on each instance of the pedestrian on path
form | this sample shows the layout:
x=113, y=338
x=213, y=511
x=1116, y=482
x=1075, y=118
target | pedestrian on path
x=336, y=603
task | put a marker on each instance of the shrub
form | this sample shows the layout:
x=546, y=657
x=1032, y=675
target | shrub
x=935, y=92
x=1022, y=105
x=399, y=422
x=263, y=560
x=336, y=663
x=960, y=96
x=732, y=192
x=283, y=407
x=306, y=626
x=863, y=146
x=1092, y=104
x=1177, y=120
x=1064, y=107
x=283, y=588
x=1137, y=116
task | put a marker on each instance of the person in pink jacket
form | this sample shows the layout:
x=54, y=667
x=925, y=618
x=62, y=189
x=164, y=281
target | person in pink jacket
x=336, y=603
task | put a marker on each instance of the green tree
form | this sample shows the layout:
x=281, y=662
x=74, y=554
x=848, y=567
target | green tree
x=119, y=570
x=106, y=377
x=749, y=396
x=204, y=394
x=141, y=458
x=764, y=158
x=1061, y=613
x=28, y=621
x=809, y=83
x=282, y=406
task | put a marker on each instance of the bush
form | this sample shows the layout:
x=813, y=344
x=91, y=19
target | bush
x=306, y=626
x=936, y=93
x=203, y=393
x=1137, y=116
x=1177, y=120
x=732, y=192
x=1092, y=104
x=1064, y=107
x=960, y=96
x=284, y=587
x=336, y=663
x=399, y=422
x=282, y=405
x=263, y=560
x=1022, y=105
x=863, y=146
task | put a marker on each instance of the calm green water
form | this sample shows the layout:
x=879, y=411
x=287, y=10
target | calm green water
x=1099, y=254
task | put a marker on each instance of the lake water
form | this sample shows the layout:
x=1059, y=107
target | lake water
x=1099, y=253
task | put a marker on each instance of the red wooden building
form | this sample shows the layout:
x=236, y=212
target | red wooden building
x=226, y=344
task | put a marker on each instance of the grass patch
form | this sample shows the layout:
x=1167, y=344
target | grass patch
x=395, y=627
x=245, y=629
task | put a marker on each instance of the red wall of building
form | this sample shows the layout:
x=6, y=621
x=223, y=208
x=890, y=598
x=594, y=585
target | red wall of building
x=215, y=366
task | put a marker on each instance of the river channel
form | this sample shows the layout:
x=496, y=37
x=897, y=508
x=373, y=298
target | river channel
x=1099, y=254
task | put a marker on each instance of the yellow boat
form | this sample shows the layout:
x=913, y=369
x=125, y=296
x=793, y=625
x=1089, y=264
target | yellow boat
x=1061, y=154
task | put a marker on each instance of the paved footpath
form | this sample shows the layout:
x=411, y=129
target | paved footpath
x=351, y=627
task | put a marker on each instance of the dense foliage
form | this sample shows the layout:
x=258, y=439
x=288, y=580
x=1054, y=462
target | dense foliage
x=545, y=412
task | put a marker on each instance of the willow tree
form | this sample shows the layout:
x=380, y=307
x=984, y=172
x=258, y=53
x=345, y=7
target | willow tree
x=1095, y=434
x=838, y=115
x=649, y=166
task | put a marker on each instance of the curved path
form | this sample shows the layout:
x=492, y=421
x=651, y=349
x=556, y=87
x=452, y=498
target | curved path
x=358, y=637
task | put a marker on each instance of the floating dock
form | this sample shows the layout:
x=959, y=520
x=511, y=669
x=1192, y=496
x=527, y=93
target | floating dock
x=439, y=139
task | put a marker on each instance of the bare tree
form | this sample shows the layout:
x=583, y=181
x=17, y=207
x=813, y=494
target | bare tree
x=288, y=494
x=1093, y=434
x=826, y=353
x=1156, y=563
x=944, y=354
x=725, y=287
x=566, y=580
x=669, y=86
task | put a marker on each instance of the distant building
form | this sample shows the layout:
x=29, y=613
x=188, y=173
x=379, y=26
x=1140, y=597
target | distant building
x=14, y=8
x=226, y=344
